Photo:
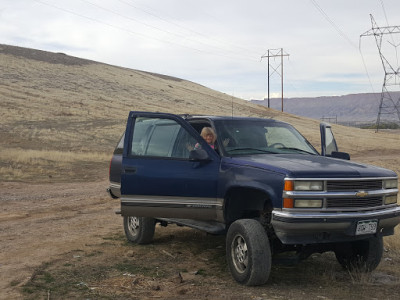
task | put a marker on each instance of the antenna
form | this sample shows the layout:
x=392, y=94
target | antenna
x=232, y=103
x=391, y=81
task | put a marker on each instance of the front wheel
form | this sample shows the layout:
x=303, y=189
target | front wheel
x=248, y=252
x=139, y=230
x=364, y=255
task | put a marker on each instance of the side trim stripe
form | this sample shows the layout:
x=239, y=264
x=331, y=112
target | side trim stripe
x=172, y=202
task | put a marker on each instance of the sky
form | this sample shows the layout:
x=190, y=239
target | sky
x=221, y=44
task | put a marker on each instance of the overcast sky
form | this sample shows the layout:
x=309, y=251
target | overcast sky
x=218, y=43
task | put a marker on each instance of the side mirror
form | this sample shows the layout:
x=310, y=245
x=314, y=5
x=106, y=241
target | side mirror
x=341, y=155
x=199, y=155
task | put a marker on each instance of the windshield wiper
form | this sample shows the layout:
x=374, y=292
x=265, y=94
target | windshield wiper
x=297, y=149
x=249, y=149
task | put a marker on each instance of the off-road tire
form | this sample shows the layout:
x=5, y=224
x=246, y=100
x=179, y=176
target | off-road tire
x=139, y=230
x=364, y=255
x=248, y=252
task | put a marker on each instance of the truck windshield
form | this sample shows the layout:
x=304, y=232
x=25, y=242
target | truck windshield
x=248, y=137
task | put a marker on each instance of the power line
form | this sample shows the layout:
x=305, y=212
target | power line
x=157, y=28
x=186, y=28
x=366, y=69
x=344, y=35
x=338, y=30
x=387, y=22
x=135, y=33
x=384, y=12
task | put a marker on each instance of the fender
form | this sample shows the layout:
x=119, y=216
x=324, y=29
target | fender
x=245, y=176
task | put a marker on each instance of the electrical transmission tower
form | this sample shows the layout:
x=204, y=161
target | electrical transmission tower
x=275, y=53
x=391, y=82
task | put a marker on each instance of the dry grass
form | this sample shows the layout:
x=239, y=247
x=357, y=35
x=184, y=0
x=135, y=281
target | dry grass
x=37, y=157
x=82, y=107
x=50, y=165
x=75, y=108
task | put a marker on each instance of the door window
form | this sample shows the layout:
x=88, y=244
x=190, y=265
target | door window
x=157, y=137
x=330, y=142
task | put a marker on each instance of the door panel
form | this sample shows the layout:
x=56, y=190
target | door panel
x=158, y=179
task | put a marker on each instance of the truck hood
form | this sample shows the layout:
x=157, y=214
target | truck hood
x=310, y=166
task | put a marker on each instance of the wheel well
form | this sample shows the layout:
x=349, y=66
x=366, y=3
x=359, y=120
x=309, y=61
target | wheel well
x=250, y=203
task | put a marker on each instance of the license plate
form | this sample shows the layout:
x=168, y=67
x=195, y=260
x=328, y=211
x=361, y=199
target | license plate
x=366, y=227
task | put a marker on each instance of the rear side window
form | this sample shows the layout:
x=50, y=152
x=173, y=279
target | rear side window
x=162, y=139
x=120, y=146
x=155, y=137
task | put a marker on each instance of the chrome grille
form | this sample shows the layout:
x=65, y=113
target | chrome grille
x=350, y=185
x=354, y=202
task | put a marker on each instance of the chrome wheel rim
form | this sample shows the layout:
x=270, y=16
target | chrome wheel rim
x=239, y=253
x=133, y=225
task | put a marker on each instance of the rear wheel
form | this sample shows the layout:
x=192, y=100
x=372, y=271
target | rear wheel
x=248, y=252
x=139, y=230
x=364, y=255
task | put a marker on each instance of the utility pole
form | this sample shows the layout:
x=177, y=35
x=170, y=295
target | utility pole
x=387, y=105
x=275, y=53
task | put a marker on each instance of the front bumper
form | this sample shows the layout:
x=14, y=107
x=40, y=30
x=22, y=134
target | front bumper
x=314, y=227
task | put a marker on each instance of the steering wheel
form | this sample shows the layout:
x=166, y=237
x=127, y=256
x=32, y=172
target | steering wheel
x=275, y=145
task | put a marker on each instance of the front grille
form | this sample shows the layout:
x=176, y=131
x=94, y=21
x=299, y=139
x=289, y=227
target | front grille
x=354, y=202
x=350, y=185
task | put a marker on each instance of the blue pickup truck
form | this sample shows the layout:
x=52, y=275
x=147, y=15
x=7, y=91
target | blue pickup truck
x=263, y=185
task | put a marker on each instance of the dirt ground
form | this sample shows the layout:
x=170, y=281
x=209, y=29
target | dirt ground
x=39, y=222
x=63, y=241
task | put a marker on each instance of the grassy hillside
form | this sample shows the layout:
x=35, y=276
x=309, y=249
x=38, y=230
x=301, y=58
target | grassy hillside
x=61, y=116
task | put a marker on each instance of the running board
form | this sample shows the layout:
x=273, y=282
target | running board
x=210, y=226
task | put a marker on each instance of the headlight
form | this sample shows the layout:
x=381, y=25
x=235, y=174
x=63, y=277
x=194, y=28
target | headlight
x=391, y=199
x=304, y=203
x=390, y=184
x=300, y=185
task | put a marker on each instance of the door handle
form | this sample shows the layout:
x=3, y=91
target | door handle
x=130, y=170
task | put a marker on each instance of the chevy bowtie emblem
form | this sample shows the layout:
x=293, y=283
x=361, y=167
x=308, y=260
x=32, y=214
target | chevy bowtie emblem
x=362, y=194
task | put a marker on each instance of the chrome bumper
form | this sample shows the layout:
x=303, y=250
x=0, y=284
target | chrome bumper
x=320, y=227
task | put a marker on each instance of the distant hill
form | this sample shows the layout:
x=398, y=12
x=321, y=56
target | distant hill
x=361, y=108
